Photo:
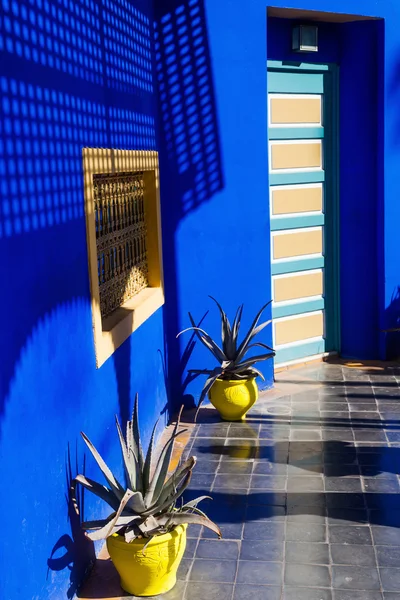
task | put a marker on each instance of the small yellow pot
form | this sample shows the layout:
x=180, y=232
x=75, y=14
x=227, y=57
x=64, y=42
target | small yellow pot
x=154, y=571
x=233, y=399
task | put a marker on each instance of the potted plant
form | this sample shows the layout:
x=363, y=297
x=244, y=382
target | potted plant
x=146, y=530
x=232, y=386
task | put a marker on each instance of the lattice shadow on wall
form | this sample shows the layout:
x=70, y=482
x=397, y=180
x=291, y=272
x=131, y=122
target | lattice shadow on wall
x=187, y=101
x=64, y=66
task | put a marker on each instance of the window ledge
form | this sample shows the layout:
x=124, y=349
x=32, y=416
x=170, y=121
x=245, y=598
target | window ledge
x=117, y=327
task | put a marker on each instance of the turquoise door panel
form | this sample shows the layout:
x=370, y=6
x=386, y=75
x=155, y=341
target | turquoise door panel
x=302, y=138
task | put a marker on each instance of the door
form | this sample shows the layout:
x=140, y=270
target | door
x=303, y=211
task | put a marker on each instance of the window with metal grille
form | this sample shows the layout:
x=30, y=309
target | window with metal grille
x=121, y=237
x=124, y=242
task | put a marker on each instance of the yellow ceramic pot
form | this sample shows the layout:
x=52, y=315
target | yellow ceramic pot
x=233, y=399
x=153, y=571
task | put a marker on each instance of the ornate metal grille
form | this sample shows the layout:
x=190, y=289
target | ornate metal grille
x=120, y=237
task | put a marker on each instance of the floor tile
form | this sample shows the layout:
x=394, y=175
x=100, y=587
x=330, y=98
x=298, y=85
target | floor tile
x=387, y=536
x=256, y=592
x=347, y=516
x=265, y=513
x=209, y=591
x=264, y=531
x=353, y=554
x=219, y=549
x=307, y=576
x=388, y=556
x=390, y=579
x=237, y=467
x=266, y=551
x=357, y=595
x=305, y=532
x=267, y=467
x=231, y=480
x=381, y=485
x=358, y=578
x=305, y=484
x=294, y=593
x=213, y=571
x=260, y=573
x=343, y=484
x=268, y=482
x=184, y=568
x=307, y=553
x=339, y=534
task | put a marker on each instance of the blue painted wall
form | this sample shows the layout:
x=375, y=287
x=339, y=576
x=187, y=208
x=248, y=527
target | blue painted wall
x=72, y=74
x=91, y=74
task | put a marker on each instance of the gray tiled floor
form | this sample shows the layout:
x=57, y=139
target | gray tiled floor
x=306, y=493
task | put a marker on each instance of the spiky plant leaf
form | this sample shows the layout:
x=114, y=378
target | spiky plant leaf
x=161, y=469
x=149, y=460
x=180, y=518
x=99, y=490
x=107, y=530
x=217, y=372
x=173, y=482
x=226, y=331
x=195, y=502
x=112, y=481
x=244, y=364
x=128, y=459
x=236, y=326
x=253, y=330
x=136, y=433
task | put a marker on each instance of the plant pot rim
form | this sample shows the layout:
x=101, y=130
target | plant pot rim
x=119, y=540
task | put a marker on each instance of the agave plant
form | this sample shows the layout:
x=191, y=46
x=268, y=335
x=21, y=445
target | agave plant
x=147, y=505
x=231, y=354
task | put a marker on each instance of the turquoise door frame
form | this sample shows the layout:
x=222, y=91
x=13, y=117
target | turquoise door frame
x=322, y=79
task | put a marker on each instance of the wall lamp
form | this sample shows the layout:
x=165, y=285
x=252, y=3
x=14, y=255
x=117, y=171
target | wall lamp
x=305, y=38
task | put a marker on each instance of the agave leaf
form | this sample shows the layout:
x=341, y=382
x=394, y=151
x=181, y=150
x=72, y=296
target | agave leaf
x=207, y=386
x=256, y=372
x=161, y=470
x=195, y=502
x=173, y=482
x=197, y=511
x=111, y=526
x=261, y=345
x=236, y=325
x=128, y=458
x=160, y=507
x=99, y=490
x=150, y=524
x=123, y=521
x=206, y=339
x=112, y=481
x=130, y=535
x=179, y=518
x=252, y=331
x=136, y=433
x=226, y=331
x=245, y=364
x=136, y=503
x=149, y=459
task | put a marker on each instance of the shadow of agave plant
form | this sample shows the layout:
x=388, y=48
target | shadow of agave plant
x=79, y=553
